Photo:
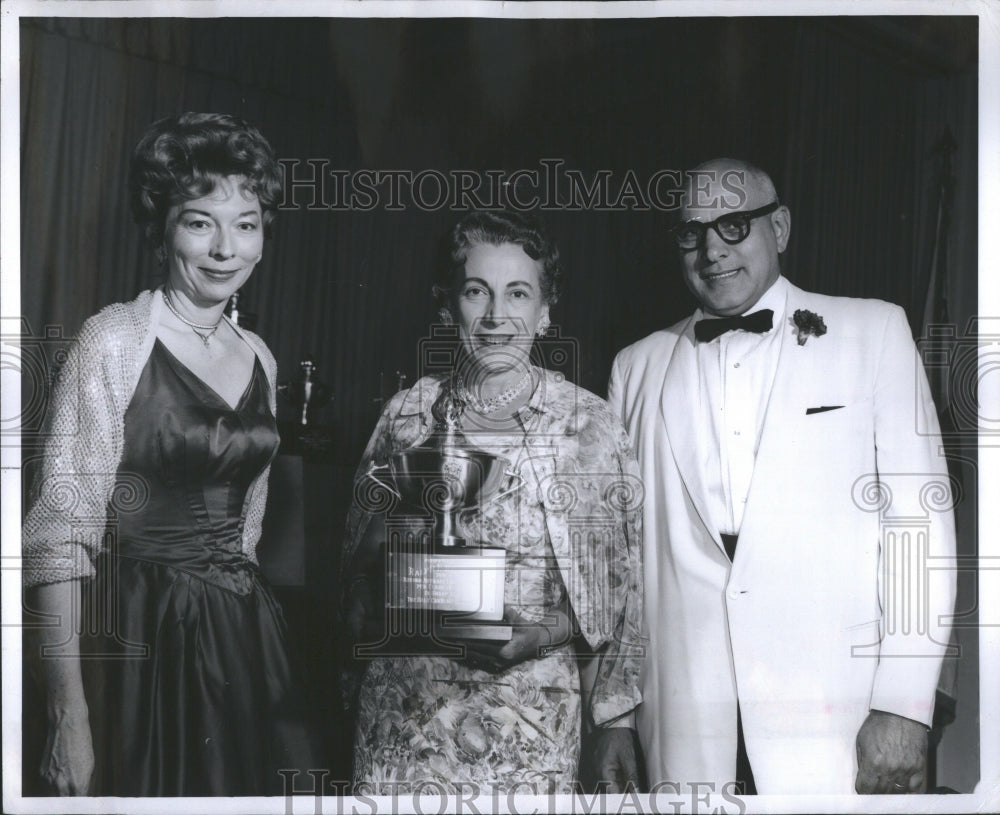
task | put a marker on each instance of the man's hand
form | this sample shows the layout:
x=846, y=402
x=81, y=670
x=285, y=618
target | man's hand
x=608, y=754
x=892, y=755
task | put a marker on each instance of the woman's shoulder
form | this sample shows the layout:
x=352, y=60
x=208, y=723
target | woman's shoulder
x=418, y=398
x=260, y=348
x=560, y=390
x=585, y=418
x=118, y=323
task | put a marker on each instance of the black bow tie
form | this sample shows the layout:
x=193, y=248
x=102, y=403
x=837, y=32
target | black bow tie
x=758, y=323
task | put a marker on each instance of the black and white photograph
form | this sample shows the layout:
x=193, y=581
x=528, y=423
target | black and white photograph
x=471, y=406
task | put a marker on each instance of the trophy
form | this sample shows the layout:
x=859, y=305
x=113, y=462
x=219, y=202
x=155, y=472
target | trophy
x=307, y=394
x=438, y=580
x=240, y=316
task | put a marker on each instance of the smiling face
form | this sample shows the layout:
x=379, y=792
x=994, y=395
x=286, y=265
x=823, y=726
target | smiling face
x=500, y=306
x=728, y=279
x=213, y=243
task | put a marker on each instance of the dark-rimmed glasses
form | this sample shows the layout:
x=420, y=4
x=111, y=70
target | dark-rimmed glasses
x=733, y=227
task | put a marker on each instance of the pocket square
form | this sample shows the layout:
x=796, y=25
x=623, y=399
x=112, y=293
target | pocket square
x=823, y=409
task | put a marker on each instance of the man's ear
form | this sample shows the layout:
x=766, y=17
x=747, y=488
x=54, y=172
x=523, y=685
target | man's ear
x=781, y=220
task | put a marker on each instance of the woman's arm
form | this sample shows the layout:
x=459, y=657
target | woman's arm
x=64, y=527
x=608, y=756
x=256, y=498
x=588, y=678
x=609, y=664
x=68, y=757
x=365, y=532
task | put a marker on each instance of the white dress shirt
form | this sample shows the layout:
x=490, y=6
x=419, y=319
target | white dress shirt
x=735, y=374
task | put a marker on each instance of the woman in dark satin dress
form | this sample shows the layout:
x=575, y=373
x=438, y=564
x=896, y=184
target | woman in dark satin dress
x=172, y=407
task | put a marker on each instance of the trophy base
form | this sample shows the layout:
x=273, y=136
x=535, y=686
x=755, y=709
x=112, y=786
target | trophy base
x=458, y=629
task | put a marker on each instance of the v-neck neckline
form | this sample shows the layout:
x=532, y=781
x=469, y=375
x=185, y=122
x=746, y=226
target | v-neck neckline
x=173, y=360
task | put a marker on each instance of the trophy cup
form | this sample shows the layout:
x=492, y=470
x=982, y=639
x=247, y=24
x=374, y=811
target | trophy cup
x=438, y=580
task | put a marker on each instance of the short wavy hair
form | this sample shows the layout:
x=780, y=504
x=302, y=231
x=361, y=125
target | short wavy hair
x=181, y=158
x=497, y=227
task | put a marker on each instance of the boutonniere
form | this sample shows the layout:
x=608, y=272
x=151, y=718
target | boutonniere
x=807, y=324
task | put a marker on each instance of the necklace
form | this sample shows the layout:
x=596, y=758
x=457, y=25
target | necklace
x=197, y=329
x=493, y=404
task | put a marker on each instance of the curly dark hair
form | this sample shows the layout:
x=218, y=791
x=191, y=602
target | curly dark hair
x=181, y=158
x=497, y=228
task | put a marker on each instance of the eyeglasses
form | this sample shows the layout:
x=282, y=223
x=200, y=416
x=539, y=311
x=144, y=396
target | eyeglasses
x=733, y=227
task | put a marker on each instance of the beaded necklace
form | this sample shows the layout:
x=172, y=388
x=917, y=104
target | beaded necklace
x=195, y=327
x=493, y=404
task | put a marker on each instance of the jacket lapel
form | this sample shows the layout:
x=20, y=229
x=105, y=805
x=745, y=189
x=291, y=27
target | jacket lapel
x=681, y=408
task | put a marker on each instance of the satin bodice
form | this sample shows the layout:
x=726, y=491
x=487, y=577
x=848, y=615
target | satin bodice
x=189, y=461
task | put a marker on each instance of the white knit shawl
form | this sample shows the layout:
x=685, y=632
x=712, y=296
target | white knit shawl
x=67, y=523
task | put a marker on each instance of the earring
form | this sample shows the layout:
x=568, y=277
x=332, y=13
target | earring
x=543, y=326
x=444, y=316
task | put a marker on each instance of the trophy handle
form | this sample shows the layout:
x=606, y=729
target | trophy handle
x=372, y=468
x=510, y=472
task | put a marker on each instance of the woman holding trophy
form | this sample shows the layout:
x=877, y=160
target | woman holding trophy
x=506, y=714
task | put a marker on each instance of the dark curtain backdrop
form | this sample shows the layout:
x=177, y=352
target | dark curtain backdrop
x=844, y=112
x=860, y=171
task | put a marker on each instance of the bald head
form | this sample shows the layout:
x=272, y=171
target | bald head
x=730, y=274
x=725, y=184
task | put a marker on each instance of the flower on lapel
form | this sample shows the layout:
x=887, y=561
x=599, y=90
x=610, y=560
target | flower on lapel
x=807, y=324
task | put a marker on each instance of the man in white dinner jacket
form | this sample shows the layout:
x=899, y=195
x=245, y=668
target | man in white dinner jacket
x=798, y=524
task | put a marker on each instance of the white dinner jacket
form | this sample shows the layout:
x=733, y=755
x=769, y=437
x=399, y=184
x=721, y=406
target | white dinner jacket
x=839, y=597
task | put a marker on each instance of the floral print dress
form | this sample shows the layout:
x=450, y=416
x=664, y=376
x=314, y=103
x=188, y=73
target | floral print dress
x=431, y=722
